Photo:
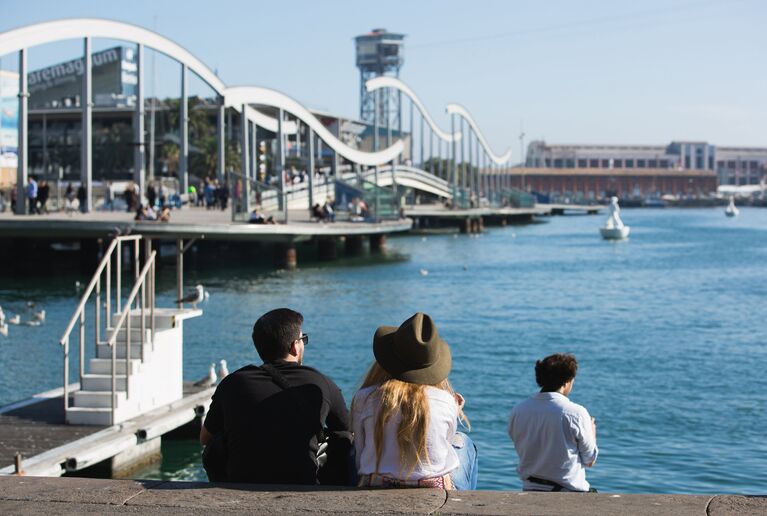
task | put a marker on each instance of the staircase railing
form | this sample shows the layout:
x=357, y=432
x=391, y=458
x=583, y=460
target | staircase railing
x=148, y=271
x=104, y=275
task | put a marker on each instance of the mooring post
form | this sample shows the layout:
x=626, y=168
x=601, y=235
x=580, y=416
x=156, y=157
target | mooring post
x=377, y=243
x=285, y=256
x=17, y=470
x=180, y=271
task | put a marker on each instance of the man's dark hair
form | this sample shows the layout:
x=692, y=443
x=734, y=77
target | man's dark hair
x=275, y=331
x=555, y=370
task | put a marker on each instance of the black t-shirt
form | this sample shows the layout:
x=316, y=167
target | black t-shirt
x=271, y=432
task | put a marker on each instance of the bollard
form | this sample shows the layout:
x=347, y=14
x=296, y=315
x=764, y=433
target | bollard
x=17, y=470
x=377, y=243
x=286, y=257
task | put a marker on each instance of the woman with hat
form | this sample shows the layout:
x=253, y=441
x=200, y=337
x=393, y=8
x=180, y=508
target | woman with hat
x=405, y=415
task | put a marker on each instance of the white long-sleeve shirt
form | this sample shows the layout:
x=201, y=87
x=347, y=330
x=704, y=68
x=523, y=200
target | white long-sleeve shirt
x=554, y=439
x=443, y=414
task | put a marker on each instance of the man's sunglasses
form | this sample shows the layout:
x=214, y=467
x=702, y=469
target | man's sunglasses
x=304, y=337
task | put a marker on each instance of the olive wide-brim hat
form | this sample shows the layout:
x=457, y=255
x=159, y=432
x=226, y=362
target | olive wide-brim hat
x=414, y=352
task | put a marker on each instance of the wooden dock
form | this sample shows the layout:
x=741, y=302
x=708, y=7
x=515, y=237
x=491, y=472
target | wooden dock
x=564, y=209
x=188, y=223
x=436, y=217
x=32, y=237
x=35, y=428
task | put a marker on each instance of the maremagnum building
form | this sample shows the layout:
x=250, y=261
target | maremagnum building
x=681, y=168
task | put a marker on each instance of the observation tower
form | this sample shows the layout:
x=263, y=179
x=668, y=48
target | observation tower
x=380, y=52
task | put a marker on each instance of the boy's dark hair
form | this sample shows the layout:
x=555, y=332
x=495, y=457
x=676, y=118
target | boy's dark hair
x=275, y=331
x=555, y=370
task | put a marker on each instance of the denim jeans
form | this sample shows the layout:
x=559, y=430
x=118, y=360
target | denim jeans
x=465, y=477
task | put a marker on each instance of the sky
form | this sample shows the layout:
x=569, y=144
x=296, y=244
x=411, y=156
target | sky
x=589, y=72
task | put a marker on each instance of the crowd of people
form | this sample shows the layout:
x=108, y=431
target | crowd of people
x=36, y=193
x=212, y=194
x=286, y=423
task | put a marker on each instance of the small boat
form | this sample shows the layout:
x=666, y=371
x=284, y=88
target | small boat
x=731, y=210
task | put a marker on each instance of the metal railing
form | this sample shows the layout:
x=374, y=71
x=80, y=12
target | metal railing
x=382, y=203
x=248, y=194
x=103, y=276
x=148, y=271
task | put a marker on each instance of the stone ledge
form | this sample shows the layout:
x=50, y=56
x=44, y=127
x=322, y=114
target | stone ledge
x=33, y=495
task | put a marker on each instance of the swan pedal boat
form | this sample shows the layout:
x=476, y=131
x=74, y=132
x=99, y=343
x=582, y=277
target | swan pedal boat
x=615, y=233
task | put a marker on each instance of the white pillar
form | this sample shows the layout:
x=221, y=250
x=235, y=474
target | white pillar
x=138, y=125
x=86, y=142
x=183, y=173
x=22, y=170
x=221, y=141
x=244, y=162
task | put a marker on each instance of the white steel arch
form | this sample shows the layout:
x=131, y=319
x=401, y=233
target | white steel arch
x=76, y=28
x=238, y=95
x=463, y=112
x=391, y=82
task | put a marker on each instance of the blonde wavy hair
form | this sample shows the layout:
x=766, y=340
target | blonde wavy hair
x=410, y=400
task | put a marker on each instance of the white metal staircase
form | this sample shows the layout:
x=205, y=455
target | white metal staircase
x=138, y=347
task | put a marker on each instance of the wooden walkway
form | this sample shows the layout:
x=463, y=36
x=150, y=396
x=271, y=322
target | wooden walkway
x=187, y=223
x=439, y=211
x=35, y=428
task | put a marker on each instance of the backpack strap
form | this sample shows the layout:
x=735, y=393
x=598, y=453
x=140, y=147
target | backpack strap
x=277, y=377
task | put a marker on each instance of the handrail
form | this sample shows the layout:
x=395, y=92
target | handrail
x=138, y=286
x=131, y=298
x=92, y=285
x=79, y=314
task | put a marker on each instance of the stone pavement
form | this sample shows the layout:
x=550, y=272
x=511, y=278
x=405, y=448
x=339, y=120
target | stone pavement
x=36, y=495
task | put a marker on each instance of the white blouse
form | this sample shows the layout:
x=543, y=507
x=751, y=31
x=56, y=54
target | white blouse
x=442, y=458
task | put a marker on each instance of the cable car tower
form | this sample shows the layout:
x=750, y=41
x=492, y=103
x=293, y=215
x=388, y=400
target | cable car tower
x=380, y=52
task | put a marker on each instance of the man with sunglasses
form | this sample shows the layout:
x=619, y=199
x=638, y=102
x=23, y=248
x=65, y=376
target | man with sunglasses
x=267, y=423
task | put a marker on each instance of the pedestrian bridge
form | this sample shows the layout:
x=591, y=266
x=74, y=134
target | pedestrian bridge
x=453, y=163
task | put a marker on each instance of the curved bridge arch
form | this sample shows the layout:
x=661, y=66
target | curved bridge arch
x=391, y=82
x=238, y=95
x=77, y=28
x=463, y=112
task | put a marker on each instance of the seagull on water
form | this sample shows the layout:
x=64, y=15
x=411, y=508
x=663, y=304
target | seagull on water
x=16, y=319
x=39, y=315
x=222, y=370
x=194, y=297
x=424, y=272
x=209, y=380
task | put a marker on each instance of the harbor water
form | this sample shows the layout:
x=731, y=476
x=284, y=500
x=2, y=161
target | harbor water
x=668, y=327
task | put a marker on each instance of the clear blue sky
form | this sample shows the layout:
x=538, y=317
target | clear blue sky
x=593, y=71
